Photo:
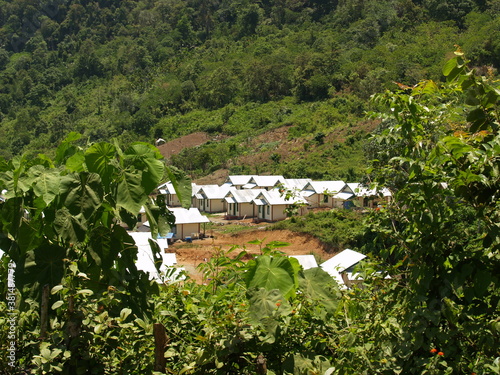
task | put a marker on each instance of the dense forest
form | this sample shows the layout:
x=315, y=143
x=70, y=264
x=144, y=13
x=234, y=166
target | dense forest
x=141, y=70
x=407, y=88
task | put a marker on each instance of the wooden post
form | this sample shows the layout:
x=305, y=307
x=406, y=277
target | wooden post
x=261, y=365
x=160, y=344
x=44, y=311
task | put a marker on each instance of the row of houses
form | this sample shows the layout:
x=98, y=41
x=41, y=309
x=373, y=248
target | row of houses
x=267, y=198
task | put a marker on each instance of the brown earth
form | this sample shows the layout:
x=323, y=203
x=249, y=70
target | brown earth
x=190, y=255
x=177, y=145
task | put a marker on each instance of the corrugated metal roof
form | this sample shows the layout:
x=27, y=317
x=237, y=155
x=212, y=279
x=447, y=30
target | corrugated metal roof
x=325, y=186
x=239, y=180
x=267, y=181
x=214, y=191
x=306, y=261
x=340, y=262
x=244, y=195
x=188, y=216
x=273, y=198
x=145, y=259
x=296, y=183
x=343, y=196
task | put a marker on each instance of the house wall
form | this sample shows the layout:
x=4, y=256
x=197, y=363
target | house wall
x=278, y=212
x=212, y=205
x=242, y=210
x=272, y=213
x=185, y=230
x=317, y=200
x=246, y=210
x=173, y=200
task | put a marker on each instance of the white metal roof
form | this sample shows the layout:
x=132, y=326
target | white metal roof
x=296, y=183
x=239, y=180
x=320, y=187
x=267, y=181
x=188, y=216
x=343, y=195
x=213, y=191
x=168, y=188
x=340, y=262
x=242, y=196
x=274, y=198
x=145, y=259
x=306, y=261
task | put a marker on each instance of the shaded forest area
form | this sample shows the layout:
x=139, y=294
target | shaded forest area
x=141, y=70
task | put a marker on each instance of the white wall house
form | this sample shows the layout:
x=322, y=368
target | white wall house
x=271, y=205
x=188, y=222
x=240, y=203
x=328, y=194
x=210, y=198
x=171, y=198
x=370, y=198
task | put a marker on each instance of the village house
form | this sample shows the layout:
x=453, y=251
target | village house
x=171, y=198
x=272, y=205
x=369, y=198
x=189, y=223
x=210, y=198
x=240, y=203
x=327, y=194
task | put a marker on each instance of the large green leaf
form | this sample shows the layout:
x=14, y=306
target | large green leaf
x=320, y=287
x=82, y=193
x=66, y=148
x=182, y=185
x=98, y=159
x=273, y=272
x=130, y=192
x=70, y=228
x=46, y=183
x=146, y=157
x=159, y=217
x=43, y=265
x=102, y=247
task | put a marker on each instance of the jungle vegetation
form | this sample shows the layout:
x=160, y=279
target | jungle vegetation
x=141, y=70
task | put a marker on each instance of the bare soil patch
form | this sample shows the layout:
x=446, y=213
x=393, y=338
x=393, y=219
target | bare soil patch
x=177, y=145
x=190, y=255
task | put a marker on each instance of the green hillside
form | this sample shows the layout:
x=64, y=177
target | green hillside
x=141, y=70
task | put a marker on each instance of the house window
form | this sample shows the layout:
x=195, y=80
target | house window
x=325, y=198
x=268, y=210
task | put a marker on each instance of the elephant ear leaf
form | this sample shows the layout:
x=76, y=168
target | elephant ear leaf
x=69, y=227
x=320, y=287
x=44, y=264
x=182, y=185
x=130, y=193
x=98, y=159
x=146, y=157
x=273, y=272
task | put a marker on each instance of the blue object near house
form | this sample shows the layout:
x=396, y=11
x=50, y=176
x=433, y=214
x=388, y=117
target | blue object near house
x=348, y=204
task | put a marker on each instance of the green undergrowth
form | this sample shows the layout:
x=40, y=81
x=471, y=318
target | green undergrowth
x=338, y=229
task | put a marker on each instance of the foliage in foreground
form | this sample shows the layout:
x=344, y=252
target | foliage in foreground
x=437, y=314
